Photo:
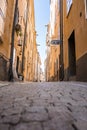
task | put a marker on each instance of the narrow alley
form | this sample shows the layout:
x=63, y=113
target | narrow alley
x=43, y=64
x=43, y=106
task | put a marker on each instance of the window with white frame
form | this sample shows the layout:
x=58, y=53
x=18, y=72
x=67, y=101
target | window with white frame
x=69, y=3
x=3, y=5
x=86, y=8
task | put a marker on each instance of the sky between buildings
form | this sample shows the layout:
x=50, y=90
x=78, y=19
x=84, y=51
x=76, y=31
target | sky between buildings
x=41, y=19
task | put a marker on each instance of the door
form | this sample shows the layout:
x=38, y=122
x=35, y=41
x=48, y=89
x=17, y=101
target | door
x=72, y=55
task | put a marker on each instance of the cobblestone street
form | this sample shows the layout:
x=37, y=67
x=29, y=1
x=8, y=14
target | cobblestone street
x=43, y=106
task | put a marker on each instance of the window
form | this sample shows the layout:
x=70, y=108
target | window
x=69, y=3
x=58, y=5
x=59, y=32
x=3, y=5
x=17, y=17
x=25, y=14
x=86, y=8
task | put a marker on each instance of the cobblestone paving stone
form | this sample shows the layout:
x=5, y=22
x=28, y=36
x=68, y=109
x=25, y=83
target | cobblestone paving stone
x=43, y=106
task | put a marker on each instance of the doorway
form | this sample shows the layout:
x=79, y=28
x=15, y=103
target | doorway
x=72, y=55
x=17, y=65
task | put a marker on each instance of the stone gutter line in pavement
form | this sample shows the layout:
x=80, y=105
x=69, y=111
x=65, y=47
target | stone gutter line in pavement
x=3, y=84
x=79, y=85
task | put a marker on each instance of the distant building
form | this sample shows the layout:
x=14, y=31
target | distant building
x=42, y=76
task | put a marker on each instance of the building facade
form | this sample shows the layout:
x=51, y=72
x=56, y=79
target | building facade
x=18, y=50
x=68, y=24
x=75, y=39
x=6, y=20
x=30, y=47
x=53, y=51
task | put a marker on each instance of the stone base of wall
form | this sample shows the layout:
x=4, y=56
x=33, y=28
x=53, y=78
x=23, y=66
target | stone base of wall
x=66, y=75
x=3, y=69
x=72, y=78
x=81, y=70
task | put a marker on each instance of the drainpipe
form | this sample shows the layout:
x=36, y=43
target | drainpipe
x=10, y=73
x=24, y=43
x=61, y=69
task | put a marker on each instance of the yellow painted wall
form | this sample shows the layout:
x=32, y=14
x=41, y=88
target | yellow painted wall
x=75, y=20
x=5, y=46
